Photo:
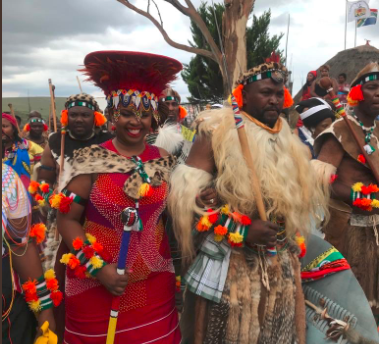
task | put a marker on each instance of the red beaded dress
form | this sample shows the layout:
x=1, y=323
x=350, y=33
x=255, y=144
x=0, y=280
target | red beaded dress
x=147, y=309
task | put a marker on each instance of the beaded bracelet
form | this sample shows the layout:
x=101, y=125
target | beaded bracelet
x=87, y=258
x=226, y=224
x=63, y=200
x=364, y=197
x=43, y=293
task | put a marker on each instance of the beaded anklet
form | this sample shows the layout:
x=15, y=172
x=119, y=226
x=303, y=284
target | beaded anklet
x=364, y=197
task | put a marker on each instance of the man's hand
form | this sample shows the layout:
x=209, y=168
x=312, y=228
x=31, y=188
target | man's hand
x=262, y=233
x=111, y=280
x=207, y=198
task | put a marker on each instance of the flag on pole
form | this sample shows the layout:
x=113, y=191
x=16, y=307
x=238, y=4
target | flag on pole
x=371, y=20
x=357, y=10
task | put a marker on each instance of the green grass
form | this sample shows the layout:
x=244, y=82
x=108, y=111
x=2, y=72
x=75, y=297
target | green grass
x=23, y=106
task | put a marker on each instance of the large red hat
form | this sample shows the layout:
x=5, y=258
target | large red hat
x=131, y=78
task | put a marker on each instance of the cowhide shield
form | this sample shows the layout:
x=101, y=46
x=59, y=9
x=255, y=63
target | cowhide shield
x=342, y=295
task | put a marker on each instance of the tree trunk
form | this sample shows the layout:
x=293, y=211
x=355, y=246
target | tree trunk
x=234, y=23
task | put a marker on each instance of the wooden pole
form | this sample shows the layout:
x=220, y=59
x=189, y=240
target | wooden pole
x=80, y=86
x=326, y=83
x=254, y=180
x=52, y=101
x=14, y=116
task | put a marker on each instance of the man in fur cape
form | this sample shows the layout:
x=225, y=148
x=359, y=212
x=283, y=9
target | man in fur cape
x=235, y=293
x=354, y=205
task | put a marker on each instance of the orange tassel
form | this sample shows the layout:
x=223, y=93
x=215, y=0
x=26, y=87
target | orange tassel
x=26, y=127
x=288, y=101
x=77, y=244
x=182, y=112
x=64, y=118
x=237, y=93
x=33, y=187
x=355, y=95
x=99, y=119
x=38, y=232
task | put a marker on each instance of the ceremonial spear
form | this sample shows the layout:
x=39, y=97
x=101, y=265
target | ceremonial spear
x=129, y=217
x=326, y=84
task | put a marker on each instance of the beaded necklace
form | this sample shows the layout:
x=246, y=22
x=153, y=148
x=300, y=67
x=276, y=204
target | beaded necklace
x=367, y=132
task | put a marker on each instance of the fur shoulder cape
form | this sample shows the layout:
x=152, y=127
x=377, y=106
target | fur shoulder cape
x=97, y=159
x=342, y=133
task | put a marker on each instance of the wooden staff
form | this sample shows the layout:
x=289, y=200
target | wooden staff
x=52, y=101
x=80, y=86
x=326, y=83
x=129, y=217
x=254, y=180
x=14, y=116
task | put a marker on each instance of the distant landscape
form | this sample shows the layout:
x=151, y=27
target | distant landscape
x=24, y=105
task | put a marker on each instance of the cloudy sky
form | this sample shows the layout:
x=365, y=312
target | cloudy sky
x=49, y=38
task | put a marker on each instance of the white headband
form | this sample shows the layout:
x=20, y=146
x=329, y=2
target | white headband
x=315, y=109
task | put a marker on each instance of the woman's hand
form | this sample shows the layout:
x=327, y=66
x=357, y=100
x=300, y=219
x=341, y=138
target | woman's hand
x=262, y=233
x=207, y=198
x=46, y=315
x=111, y=280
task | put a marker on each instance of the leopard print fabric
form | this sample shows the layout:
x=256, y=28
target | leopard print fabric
x=96, y=159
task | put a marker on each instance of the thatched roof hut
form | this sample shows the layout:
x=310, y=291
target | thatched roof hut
x=350, y=62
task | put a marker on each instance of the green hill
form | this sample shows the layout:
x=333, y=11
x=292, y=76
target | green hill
x=23, y=106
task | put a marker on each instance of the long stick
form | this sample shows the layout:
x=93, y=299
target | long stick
x=130, y=218
x=80, y=86
x=344, y=46
x=327, y=84
x=52, y=100
x=14, y=116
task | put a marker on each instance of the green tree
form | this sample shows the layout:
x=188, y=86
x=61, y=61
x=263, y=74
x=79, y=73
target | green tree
x=202, y=75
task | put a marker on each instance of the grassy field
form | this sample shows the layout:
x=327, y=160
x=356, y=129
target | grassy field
x=23, y=106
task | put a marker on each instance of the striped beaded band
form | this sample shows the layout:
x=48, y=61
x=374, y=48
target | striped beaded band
x=367, y=78
x=80, y=103
x=275, y=74
x=140, y=101
x=169, y=98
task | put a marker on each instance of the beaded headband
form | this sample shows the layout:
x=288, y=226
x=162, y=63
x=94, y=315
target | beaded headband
x=139, y=101
x=170, y=98
x=366, y=78
x=80, y=103
x=36, y=120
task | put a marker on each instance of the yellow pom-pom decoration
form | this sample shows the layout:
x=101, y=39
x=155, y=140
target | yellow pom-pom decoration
x=55, y=200
x=236, y=238
x=41, y=202
x=145, y=190
x=49, y=274
x=375, y=203
x=218, y=237
x=96, y=262
x=66, y=258
x=225, y=210
x=35, y=306
x=357, y=187
x=204, y=224
x=91, y=238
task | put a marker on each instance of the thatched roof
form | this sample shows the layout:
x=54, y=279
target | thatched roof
x=350, y=62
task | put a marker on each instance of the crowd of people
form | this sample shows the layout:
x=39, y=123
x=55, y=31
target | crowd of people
x=146, y=230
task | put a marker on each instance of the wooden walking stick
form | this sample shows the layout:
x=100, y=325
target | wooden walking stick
x=326, y=83
x=52, y=101
x=14, y=116
x=129, y=217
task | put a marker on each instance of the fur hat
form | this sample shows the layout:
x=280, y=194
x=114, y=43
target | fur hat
x=368, y=73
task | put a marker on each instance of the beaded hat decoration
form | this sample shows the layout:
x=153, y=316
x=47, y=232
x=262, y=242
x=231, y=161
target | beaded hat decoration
x=86, y=100
x=35, y=120
x=171, y=95
x=131, y=79
x=270, y=69
x=368, y=73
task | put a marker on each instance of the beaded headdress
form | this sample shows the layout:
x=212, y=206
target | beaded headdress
x=368, y=73
x=35, y=120
x=270, y=69
x=131, y=79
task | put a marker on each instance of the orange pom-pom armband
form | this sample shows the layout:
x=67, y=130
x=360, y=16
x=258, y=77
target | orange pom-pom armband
x=64, y=118
x=237, y=93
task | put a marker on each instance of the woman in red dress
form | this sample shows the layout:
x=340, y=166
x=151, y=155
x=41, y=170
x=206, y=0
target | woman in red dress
x=98, y=184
